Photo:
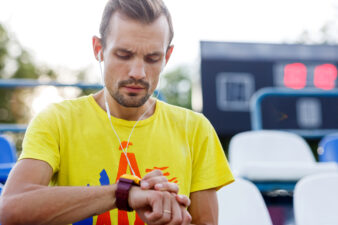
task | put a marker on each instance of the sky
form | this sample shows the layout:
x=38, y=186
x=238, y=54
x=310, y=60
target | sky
x=58, y=33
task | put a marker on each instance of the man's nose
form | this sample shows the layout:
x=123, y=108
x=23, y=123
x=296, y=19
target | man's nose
x=137, y=70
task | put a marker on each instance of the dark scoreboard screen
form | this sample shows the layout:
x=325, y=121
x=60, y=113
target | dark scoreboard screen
x=300, y=113
x=233, y=72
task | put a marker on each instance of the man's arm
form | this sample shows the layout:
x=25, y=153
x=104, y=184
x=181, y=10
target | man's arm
x=27, y=199
x=204, y=207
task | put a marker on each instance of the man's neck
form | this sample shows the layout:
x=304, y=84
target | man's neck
x=122, y=112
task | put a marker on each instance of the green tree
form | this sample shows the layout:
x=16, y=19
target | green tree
x=3, y=50
x=177, y=87
x=327, y=34
x=16, y=62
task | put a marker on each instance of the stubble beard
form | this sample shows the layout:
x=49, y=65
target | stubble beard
x=131, y=100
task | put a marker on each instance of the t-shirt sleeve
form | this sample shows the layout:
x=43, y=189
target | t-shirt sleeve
x=42, y=139
x=210, y=166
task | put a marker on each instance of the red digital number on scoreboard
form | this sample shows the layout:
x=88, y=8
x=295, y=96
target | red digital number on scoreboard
x=295, y=76
x=325, y=76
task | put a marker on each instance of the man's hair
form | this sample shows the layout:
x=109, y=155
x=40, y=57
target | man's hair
x=145, y=11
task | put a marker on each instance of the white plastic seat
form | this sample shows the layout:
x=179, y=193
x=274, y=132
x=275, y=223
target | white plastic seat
x=241, y=203
x=270, y=155
x=316, y=200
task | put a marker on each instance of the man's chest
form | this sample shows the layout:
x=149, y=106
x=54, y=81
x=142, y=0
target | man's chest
x=101, y=160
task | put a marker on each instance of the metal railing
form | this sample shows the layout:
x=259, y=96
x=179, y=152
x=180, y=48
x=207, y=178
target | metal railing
x=29, y=83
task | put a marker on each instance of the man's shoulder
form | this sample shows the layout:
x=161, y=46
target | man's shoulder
x=180, y=113
x=65, y=108
x=71, y=104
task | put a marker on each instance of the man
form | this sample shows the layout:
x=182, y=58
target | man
x=82, y=147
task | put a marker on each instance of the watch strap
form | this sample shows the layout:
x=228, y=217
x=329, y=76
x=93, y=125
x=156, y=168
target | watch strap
x=122, y=193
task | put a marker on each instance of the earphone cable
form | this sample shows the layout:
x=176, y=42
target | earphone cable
x=124, y=150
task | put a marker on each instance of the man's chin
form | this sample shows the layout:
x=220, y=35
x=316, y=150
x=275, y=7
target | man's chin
x=132, y=101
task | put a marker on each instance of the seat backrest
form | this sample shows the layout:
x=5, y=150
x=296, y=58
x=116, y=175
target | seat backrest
x=268, y=146
x=7, y=151
x=316, y=200
x=241, y=203
x=328, y=148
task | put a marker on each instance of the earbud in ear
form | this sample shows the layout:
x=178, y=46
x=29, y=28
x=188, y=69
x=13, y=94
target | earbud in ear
x=99, y=56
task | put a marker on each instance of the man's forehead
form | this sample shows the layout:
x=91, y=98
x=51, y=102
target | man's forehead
x=122, y=24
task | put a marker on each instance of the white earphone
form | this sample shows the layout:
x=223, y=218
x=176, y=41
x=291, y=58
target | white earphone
x=99, y=56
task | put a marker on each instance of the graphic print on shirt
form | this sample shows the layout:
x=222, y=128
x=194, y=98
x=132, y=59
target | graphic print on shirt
x=104, y=218
x=123, y=166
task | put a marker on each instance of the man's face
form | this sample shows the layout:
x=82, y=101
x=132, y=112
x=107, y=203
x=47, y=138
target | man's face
x=134, y=56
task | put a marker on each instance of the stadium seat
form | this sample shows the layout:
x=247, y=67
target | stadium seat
x=316, y=200
x=328, y=148
x=7, y=158
x=241, y=203
x=270, y=155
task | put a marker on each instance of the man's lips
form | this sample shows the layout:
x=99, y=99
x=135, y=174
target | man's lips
x=133, y=88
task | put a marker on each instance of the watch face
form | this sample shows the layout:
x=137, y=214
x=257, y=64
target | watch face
x=127, y=181
x=135, y=179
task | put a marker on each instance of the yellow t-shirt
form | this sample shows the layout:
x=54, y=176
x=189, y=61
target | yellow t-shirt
x=76, y=139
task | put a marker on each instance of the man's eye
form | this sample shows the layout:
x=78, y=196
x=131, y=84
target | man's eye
x=152, y=59
x=123, y=55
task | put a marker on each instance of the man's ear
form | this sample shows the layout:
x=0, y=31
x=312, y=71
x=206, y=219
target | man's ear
x=97, y=48
x=168, y=53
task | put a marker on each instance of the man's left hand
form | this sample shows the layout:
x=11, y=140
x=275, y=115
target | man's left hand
x=157, y=181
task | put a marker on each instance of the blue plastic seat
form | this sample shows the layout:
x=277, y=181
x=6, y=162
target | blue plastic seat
x=7, y=158
x=328, y=148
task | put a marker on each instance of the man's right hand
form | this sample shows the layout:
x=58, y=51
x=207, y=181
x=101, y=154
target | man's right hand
x=157, y=181
x=158, y=207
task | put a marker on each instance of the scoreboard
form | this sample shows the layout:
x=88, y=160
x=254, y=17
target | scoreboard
x=232, y=72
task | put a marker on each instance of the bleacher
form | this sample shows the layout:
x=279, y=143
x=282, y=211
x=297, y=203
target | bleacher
x=278, y=106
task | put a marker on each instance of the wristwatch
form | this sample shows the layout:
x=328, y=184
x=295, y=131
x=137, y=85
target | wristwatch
x=122, y=193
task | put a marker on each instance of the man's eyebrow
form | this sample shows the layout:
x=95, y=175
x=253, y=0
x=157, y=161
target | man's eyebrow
x=155, y=53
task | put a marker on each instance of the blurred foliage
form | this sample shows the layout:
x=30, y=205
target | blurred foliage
x=177, y=87
x=327, y=34
x=16, y=62
x=4, y=39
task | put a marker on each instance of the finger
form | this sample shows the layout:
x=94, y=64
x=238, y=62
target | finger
x=144, y=182
x=167, y=186
x=150, y=182
x=176, y=212
x=159, y=202
x=156, y=205
x=167, y=208
x=186, y=216
x=183, y=200
x=153, y=173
